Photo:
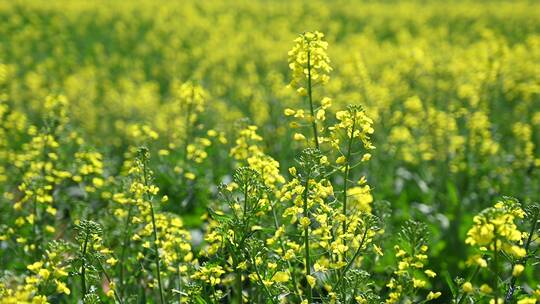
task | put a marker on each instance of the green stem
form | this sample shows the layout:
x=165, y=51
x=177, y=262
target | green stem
x=238, y=281
x=125, y=245
x=116, y=296
x=470, y=278
x=266, y=290
x=246, y=185
x=310, y=97
x=214, y=296
x=306, y=241
x=496, y=270
x=346, y=173
x=237, y=272
x=280, y=241
x=356, y=254
x=83, y=264
x=179, y=277
x=38, y=235
x=156, y=249
x=154, y=232
x=35, y=229
x=523, y=261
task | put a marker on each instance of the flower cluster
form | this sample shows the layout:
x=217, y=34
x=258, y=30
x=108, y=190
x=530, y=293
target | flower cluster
x=495, y=229
x=309, y=62
x=45, y=277
x=502, y=252
x=411, y=276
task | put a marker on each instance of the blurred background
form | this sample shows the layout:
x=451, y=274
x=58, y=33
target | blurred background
x=453, y=87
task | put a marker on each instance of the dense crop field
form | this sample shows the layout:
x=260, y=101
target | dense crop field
x=269, y=152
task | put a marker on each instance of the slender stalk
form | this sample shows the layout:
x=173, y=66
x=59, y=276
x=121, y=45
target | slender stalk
x=83, y=266
x=156, y=249
x=179, y=278
x=265, y=288
x=306, y=241
x=356, y=254
x=310, y=98
x=154, y=233
x=246, y=184
x=116, y=296
x=523, y=261
x=238, y=281
x=237, y=272
x=214, y=296
x=496, y=270
x=35, y=228
x=38, y=235
x=471, y=277
x=127, y=233
x=280, y=241
x=349, y=264
x=347, y=171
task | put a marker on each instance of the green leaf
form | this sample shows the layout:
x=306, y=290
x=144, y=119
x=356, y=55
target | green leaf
x=451, y=284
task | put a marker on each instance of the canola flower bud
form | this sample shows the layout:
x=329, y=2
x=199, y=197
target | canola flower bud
x=486, y=288
x=311, y=280
x=305, y=222
x=299, y=137
x=433, y=295
x=467, y=287
x=419, y=283
x=280, y=277
x=61, y=287
x=289, y=112
x=517, y=270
